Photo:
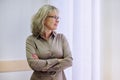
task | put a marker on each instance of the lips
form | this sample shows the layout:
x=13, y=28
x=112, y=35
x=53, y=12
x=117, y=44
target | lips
x=55, y=24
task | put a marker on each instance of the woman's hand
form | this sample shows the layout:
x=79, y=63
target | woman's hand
x=35, y=56
x=59, y=60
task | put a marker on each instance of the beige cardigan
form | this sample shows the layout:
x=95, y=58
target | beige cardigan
x=54, y=56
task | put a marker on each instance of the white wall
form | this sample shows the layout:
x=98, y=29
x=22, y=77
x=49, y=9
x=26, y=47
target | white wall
x=115, y=40
x=86, y=40
x=82, y=38
x=110, y=37
x=15, y=18
x=106, y=40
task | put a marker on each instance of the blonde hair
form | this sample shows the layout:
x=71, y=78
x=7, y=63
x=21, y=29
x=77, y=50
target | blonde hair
x=37, y=25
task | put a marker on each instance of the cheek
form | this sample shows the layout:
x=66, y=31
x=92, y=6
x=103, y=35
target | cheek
x=50, y=22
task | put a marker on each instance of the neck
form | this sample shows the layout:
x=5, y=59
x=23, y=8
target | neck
x=47, y=34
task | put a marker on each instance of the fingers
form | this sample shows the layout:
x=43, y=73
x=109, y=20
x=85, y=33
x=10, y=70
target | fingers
x=35, y=56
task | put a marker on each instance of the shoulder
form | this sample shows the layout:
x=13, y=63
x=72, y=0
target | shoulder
x=30, y=38
x=60, y=35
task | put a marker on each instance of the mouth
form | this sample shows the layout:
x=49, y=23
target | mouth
x=55, y=24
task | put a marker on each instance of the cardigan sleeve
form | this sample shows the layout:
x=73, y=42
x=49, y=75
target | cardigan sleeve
x=66, y=61
x=37, y=64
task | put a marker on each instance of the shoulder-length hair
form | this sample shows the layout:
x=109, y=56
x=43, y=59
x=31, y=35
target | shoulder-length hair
x=37, y=26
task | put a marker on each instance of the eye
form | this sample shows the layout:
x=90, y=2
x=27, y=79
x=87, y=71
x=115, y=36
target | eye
x=55, y=17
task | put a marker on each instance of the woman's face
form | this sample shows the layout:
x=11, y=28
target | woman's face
x=51, y=22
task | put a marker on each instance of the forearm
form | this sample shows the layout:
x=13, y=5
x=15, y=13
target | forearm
x=42, y=65
x=63, y=64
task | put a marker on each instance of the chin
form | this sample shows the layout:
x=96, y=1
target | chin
x=55, y=28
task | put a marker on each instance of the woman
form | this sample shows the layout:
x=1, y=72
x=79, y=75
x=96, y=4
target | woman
x=48, y=52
